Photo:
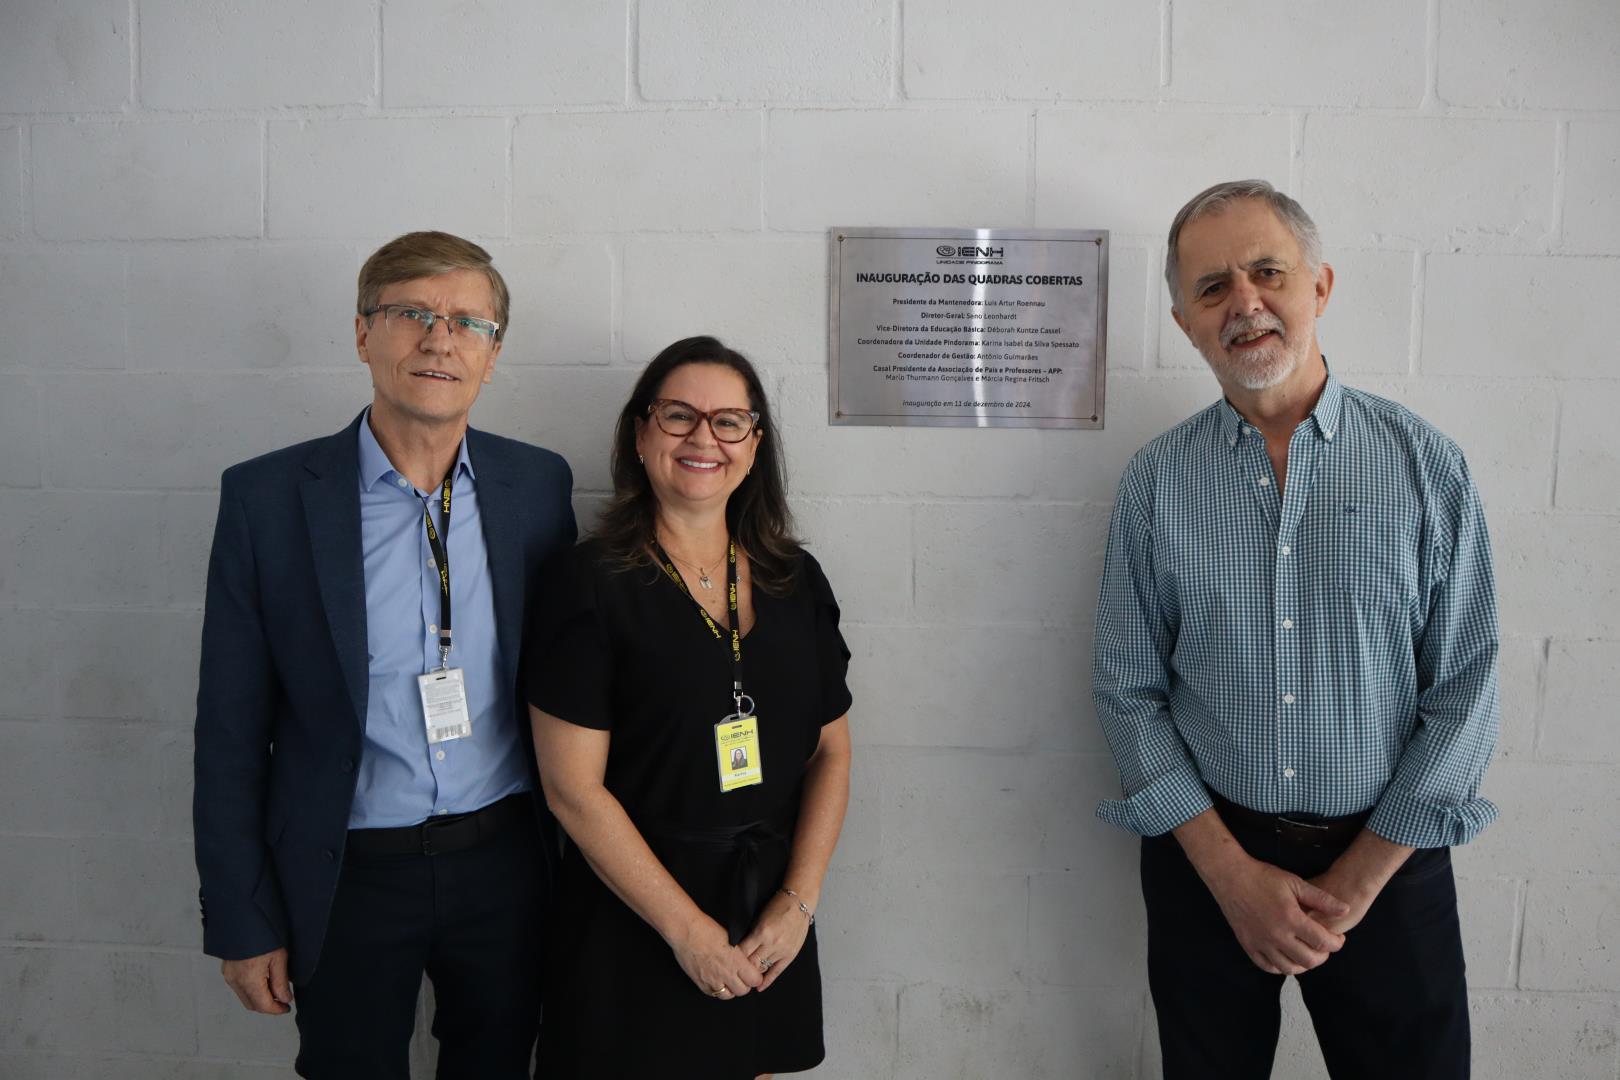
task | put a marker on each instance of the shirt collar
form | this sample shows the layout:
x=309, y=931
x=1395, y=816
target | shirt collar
x=1329, y=409
x=374, y=463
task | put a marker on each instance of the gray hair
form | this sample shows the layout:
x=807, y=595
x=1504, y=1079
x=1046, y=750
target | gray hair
x=1215, y=199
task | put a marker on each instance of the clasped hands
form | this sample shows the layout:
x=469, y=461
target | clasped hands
x=723, y=970
x=1286, y=924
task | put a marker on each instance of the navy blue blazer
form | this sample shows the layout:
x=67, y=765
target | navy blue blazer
x=281, y=701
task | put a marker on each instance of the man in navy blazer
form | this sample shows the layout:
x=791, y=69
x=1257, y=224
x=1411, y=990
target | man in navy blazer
x=366, y=804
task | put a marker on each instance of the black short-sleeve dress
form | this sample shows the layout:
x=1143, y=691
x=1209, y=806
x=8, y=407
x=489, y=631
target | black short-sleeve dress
x=627, y=652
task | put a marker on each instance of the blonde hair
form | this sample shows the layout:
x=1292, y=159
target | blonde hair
x=427, y=254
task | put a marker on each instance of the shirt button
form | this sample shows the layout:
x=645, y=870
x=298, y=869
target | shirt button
x=1288, y=624
x=1288, y=699
x=1286, y=550
x=402, y=482
x=440, y=756
x=446, y=810
x=433, y=628
x=1264, y=481
x=431, y=563
x=1288, y=773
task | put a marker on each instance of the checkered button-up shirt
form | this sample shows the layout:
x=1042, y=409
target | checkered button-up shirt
x=1329, y=649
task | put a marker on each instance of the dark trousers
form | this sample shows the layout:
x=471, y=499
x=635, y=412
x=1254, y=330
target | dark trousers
x=471, y=921
x=1392, y=1003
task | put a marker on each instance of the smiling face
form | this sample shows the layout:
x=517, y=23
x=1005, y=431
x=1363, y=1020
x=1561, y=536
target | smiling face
x=430, y=378
x=1249, y=301
x=697, y=470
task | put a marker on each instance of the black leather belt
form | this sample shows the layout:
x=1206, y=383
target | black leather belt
x=443, y=835
x=1304, y=830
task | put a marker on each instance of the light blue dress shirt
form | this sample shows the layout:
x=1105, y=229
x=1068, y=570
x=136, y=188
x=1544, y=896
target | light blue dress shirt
x=1328, y=650
x=403, y=780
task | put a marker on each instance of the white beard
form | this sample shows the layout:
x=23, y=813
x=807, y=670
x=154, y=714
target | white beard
x=1261, y=368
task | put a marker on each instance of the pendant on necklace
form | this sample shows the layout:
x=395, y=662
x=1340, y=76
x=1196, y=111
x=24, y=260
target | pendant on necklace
x=703, y=578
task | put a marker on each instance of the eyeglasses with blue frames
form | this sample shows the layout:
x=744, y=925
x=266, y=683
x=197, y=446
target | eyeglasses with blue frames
x=679, y=419
x=467, y=329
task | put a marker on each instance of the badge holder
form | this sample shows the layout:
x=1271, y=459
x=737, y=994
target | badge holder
x=736, y=746
x=444, y=701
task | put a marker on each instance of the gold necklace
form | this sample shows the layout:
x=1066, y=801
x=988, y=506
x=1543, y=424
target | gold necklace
x=703, y=575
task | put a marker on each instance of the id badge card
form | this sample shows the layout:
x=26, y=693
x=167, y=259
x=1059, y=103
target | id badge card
x=736, y=745
x=444, y=705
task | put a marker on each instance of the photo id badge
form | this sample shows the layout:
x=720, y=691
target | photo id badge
x=736, y=743
x=444, y=705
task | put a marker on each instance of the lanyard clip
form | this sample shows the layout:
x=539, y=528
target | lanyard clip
x=444, y=657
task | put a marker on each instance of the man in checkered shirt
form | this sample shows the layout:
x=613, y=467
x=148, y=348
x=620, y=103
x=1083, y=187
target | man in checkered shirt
x=1295, y=666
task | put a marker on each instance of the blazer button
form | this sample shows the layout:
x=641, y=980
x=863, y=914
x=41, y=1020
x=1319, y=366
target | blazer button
x=328, y=855
x=347, y=764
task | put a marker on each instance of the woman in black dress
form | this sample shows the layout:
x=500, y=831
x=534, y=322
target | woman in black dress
x=687, y=691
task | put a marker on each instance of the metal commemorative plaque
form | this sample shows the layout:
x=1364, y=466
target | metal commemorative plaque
x=968, y=327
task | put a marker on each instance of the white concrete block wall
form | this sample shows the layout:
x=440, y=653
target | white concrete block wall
x=187, y=189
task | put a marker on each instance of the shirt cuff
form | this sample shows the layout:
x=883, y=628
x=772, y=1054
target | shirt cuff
x=1173, y=799
x=1403, y=818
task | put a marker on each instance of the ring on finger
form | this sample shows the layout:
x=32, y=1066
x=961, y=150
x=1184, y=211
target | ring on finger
x=720, y=991
x=765, y=965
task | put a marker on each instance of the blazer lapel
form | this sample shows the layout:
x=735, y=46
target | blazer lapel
x=503, y=544
x=331, y=495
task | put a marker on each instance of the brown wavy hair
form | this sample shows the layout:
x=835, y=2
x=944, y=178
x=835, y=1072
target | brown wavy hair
x=757, y=512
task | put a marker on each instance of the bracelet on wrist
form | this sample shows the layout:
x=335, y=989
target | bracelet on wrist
x=798, y=900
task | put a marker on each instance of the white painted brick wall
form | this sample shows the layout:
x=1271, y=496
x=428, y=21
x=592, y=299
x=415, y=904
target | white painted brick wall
x=244, y=54
x=1554, y=55
x=64, y=57
x=1215, y=42
x=377, y=178
x=1591, y=212
x=1521, y=316
x=562, y=303
x=1378, y=178
x=187, y=191
x=1129, y=171
x=10, y=181
x=893, y=167
x=503, y=52
x=165, y=180
x=765, y=50
x=1031, y=49
x=45, y=289
x=628, y=171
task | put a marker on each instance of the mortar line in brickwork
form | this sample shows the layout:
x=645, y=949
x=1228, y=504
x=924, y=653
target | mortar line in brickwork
x=632, y=53
x=1414, y=335
x=897, y=52
x=1521, y=895
x=1414, y=332
x=1431, y=58
x=1539, y=715
x=1296, y=152
x=376, y=57
x=1560, y=191
x=615, y=306
x=1166, y=15
x=511, y=177
x=25, y=181
x=264, y=178
x=1031, y=152
x=1557, y=449
x=134, y=54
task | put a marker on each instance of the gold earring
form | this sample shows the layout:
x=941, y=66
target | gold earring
x=641, y=459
